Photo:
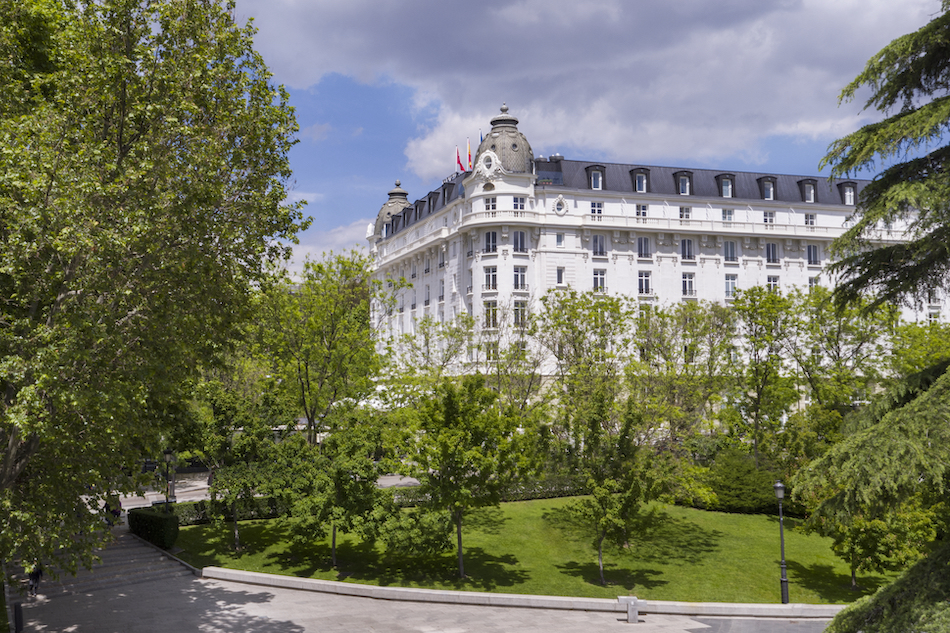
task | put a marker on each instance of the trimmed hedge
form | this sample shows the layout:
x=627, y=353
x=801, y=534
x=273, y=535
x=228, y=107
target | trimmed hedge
x=155, y=526
x=547, y=488
x=206, y=511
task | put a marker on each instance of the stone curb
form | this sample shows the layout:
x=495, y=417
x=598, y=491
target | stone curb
x=796, y=611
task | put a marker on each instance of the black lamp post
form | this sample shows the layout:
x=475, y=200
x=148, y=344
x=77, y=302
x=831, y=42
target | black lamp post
x=167, y=454
x=780, y=494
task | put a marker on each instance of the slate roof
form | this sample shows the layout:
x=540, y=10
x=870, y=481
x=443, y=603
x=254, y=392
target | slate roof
x=617, y=177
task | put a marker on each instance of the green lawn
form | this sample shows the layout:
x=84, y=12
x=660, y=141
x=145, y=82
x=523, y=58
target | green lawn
x=529, y=547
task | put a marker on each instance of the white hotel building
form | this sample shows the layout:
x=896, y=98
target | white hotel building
x=500, y=236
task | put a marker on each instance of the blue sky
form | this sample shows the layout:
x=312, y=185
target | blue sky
x=385, y=90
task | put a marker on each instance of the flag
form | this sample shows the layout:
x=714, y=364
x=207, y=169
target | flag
x=480, y=137
x=458, y=159
x=469, y=143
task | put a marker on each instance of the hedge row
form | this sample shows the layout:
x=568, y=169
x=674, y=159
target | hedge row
x=155, y=526
x=205, y=511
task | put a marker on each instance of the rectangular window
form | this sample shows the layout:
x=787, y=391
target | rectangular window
x=685, y=213
x=596, y=210
x=809, y=192
x=413, y=276
x=600, y=280
x=810, y=219
x=427, y=294
x=813, y=259
x=643, y=247
x=491, y=351
x=773, y=283
x=689, y=288
x=686, y=249
x=519, y=204
x=491, y=278
x=491, y=204
x=768, y=217
x=727, y=215
x=521, y=312
x=813, y=282
x=771, y=253
x=849, y=195
x=731, y=281
x=428, y=262
x=684, y=185
x=441, y=290
x=729, y=251
x=559, y=240
x=491, y=242
x=560, y=276
x=520, y=242
x=768, y=190
x=596, y=180
x=726, y=188
x=643, y=284
x=521, y=275
x=642, y=210
x=641, y=183
x=491, y=314
x=600, y=246
x=441, y=258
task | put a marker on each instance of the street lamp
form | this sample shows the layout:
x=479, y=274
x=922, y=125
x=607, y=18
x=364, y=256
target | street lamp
x=169, y=490
x=780, y=494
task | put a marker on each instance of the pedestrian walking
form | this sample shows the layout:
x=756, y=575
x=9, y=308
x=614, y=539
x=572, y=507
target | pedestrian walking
x=35, y=572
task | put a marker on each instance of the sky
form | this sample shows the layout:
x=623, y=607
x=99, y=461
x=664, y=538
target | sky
x=385, y=90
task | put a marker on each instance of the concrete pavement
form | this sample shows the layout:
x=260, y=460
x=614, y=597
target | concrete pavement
x=216, y=606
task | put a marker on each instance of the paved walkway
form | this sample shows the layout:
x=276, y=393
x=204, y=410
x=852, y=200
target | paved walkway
x=184, y=605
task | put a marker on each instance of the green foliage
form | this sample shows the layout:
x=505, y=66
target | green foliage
x=208, y=511
x=916, y=347
x=740, y=486
x=465, y=452
x=333, y=487
x=620, y=474
x=684, y=365
x=318, y=333
x=879, y=542
x=765, y=391
x=908, y=83
x=917, y=601
x=156, y=526
x=143, y=175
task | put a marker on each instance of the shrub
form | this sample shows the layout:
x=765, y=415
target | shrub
x=157, y=527
x=740, y=486
x=206, y=511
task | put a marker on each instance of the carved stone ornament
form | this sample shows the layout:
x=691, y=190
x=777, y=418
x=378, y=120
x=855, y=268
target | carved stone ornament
x=560, y=205
x=489, y=166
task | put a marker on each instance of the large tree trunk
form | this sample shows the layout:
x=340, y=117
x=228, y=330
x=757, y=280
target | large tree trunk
x=458, y=534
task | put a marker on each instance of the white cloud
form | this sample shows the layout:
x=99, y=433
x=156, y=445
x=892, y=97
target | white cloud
x=314, y=243
x=316, y=132
x=649, y=81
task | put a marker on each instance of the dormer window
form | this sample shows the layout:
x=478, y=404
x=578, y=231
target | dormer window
x=767, y=187
x=595, y=177
x=684, y=182
x=847, y=190
x=725, y=184
x=641, y=180
x=807, y=188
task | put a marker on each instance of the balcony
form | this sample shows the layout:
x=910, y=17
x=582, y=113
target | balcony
x=521, y=287
x=489, y=287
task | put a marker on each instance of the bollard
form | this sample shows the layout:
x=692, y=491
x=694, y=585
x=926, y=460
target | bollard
x=633, y=612
x=17, y=617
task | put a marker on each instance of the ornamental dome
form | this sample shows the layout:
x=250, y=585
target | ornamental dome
x=508, y=144
x=398, y=200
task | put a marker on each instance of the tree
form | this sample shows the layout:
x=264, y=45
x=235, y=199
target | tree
x=908, y=80
x=589, y=335
x=465, y=452
x=765, y=391
x=318, y=333
x=684, y=366
x=142, y=179
x=617, y=465
x=333, y=487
